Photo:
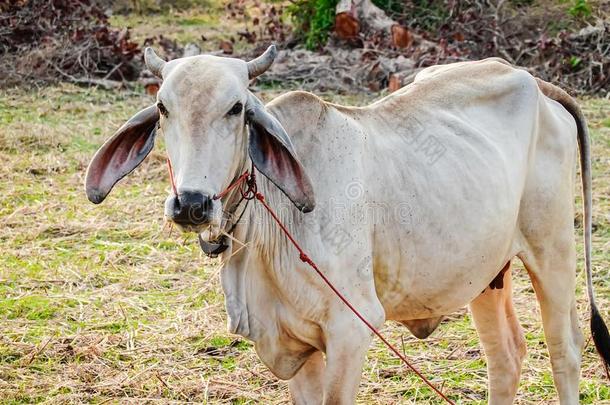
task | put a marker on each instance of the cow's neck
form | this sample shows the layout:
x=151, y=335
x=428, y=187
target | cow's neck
x=263, y=235
x=263, y=273
x=257, y=228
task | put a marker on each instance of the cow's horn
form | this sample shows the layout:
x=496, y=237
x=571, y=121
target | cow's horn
x=154, y=63
x=258, y=65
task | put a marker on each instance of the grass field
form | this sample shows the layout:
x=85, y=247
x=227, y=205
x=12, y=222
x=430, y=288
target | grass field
x=101, y=304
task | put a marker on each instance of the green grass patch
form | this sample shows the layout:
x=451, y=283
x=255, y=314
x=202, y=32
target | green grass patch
x=30, y=307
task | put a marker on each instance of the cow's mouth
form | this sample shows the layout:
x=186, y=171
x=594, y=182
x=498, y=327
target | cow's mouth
x=210, y=233
x=213, y=244
x=189, y=227
x=214, y=247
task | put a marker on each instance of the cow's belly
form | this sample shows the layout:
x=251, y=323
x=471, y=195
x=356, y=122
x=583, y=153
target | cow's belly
x=453, y=218
x=445, y=248
x=425, y=284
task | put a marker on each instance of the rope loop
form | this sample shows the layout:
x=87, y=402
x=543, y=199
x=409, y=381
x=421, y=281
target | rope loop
x=249, y=189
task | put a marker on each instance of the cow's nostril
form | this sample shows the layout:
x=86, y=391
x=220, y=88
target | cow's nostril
x=191, y=208
x=176, y=205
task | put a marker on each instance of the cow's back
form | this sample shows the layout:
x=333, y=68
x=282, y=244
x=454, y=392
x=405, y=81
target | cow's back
x=435, y=174
x=456, y=146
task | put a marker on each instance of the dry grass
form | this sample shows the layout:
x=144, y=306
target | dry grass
x=205, y=26
x=100, y=305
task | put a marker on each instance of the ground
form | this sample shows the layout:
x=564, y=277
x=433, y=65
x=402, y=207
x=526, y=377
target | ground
x=102, y=304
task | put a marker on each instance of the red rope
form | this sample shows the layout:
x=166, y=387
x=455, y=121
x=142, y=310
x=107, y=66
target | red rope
x=303, y=256
x=171, y=176
x=232, y=186
x=250, y=193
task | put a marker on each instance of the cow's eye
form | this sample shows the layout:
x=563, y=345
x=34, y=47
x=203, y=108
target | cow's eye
x=162, y=109
x=236, y=109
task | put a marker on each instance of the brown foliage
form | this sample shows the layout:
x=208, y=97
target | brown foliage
x=263, y=20
x=547, y=40
x=71, y=39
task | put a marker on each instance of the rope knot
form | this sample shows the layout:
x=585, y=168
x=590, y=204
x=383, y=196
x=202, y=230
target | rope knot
x=250, y=189
x=304, y=258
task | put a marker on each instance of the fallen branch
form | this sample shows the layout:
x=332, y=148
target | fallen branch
x=88, y=81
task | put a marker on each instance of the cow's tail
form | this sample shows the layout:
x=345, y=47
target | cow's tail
x=599, y=330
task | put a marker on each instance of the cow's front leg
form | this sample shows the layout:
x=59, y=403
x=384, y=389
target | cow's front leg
x=346, y=349
x=307, y=386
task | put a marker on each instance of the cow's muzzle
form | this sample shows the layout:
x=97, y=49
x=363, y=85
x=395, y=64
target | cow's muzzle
x=189, y=209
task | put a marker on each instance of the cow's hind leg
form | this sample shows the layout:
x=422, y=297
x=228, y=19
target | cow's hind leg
x=546, y=223
x=553, y=276
x=502, y=339
x=307, y=386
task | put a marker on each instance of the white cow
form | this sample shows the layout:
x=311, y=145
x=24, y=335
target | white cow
x=422, y=200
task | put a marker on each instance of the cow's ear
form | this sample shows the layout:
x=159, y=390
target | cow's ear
x=120, y=154
x=273, y=154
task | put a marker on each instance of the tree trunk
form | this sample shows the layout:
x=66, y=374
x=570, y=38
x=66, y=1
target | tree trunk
x=355, y=16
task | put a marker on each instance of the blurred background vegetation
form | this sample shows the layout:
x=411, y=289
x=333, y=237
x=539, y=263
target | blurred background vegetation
x=565, y=41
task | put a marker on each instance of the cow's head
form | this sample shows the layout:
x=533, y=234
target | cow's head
x=211, y=124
